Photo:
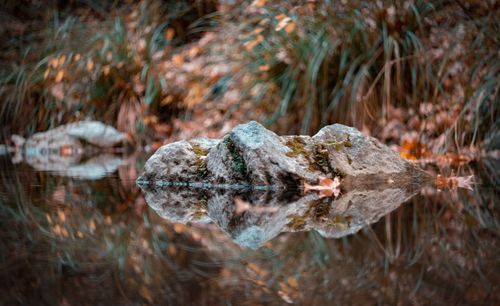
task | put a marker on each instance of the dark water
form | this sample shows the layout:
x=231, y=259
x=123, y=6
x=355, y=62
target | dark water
x=87, y=236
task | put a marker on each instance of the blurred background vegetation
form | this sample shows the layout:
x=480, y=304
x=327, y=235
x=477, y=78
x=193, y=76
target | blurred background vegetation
x=403, y=71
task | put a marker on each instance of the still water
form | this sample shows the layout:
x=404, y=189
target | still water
x=87, y=235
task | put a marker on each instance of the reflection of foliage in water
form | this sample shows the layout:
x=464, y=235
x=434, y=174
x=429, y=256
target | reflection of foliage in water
x=96, y=240
x=101, y=244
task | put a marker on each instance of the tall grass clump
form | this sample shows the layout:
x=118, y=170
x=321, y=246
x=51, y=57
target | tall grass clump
x=333, y=62
x=479, y=118
x=103, y=67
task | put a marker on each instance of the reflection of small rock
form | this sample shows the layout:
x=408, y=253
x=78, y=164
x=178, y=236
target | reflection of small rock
x=92, y=169
x=62, y=150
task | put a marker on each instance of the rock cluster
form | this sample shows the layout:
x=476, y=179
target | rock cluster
x=252, y=155
x=250, y=182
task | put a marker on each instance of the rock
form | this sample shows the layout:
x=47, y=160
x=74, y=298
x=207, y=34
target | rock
x=94, y=132
x=254, y=156
x=180, y=161
x=62, y=150
x=72, y=135
x=18, y=141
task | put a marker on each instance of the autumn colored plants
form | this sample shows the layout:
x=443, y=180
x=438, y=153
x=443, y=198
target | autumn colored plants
x=412, y=73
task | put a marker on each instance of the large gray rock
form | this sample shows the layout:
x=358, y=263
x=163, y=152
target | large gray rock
x=252, y=155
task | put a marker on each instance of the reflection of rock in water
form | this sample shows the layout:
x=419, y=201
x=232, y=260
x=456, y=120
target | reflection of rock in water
x=252, y=159
x=207, y=175
x=94, y=168
x=78, y=150
x=252, y=228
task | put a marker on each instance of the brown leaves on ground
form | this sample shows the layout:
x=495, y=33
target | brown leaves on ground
x=412, y=149
x=454, y=182
x=326, y=186
x=415, y=150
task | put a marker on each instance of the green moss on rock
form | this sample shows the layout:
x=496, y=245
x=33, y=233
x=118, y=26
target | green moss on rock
x=298, y=147
x=297, y=222
x=198, y=150
x=238, y=161
x=319, y=210
x=338, y=145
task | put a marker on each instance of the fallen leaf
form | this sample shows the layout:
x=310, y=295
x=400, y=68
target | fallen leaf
x=249, y=45
x=241, y=206
x=285, y=297
x=292, y=281
x=178, y=59
x=280, y=17
x=264, y=68
x=414, y=150
x=90, y=65
x=194, y=51
x=454, y=182
x=179, y=228
x=169, y=33
x=49, y=219
x=172, y=250
x=146, y=293
x=259, y=3
x=290, y=27
x=106, y=70
x=327, y=187
x=59, y=76
x=284, y=22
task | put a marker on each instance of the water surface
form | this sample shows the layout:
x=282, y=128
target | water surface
x=87, y=235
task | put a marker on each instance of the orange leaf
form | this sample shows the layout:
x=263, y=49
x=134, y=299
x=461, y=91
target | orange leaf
x=90, y=65
x=59, y=76
x=178, y=59
x=292, y=281
x=289, y=28
x=259, y=3
x=264, y=68
x=179, y=228
x=325, y=181
x=169, y=33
